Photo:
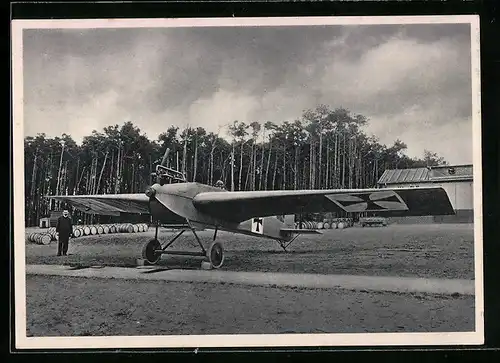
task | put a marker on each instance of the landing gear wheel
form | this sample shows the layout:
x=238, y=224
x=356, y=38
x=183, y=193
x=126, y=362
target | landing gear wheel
x=215, y=254
x=148, y=251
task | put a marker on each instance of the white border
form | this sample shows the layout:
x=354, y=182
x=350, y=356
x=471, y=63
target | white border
x=243, y=340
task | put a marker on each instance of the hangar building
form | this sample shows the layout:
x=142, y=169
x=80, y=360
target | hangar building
x=457, y=180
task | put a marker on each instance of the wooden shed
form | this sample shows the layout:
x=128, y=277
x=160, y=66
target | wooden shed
x=53, y=217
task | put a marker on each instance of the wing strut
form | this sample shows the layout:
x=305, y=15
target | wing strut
x=285, y=244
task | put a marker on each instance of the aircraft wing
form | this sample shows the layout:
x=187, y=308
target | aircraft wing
x=240, y=206
x=107, y=204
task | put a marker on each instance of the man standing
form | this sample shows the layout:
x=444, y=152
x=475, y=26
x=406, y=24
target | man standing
x=64, y=230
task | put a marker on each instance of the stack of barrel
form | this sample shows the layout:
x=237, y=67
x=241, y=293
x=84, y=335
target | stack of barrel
x=94, y=229
x=336, y=223
x=50, y=235
x=40, y=238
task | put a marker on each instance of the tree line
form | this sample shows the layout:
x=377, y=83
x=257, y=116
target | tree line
x=323, y=149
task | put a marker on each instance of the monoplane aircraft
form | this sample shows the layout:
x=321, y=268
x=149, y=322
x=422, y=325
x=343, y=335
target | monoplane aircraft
x=268, y=214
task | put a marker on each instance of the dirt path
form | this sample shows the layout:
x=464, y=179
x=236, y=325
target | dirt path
x=122, y=307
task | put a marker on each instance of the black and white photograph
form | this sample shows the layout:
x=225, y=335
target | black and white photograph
x=247, y=182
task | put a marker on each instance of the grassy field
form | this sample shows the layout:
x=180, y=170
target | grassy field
x=437, y=250
x=97, y=307
x=83, y=306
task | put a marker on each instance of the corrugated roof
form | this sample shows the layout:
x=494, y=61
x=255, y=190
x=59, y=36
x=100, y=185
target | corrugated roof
x=404, y=176
x=440, y=173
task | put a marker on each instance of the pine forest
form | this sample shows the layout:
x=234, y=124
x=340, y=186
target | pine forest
x=324, y=148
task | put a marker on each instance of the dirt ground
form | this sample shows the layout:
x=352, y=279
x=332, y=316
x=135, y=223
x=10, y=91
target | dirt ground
x=438, y=250
x=99, y=307
x=125, y=307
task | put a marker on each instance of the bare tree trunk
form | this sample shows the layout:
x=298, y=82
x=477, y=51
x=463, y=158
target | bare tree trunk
x=76, y=176
x=266, y=179
x=335, y=161
x=232, y=168
x=133, y=181
x=304, y=176
x=212, y=150
x=87, y=181
x=254, y=174
x=80, y=180
x=195, y=158
x=344, y=161
x=117, y=178
x=102, y=170
x=320, y=166
x=64, y=178
x=184, y=157
x=275, y=168
x=327, y=173
x=94, y=176
x=249, y=171
x=311, y=164
x=296, y=167
x=59, y=173
x=261, y=168
x=241, y=166
x=33, y=182
x=284, y=166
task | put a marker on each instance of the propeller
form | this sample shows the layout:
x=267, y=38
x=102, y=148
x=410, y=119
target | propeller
x=165, y=157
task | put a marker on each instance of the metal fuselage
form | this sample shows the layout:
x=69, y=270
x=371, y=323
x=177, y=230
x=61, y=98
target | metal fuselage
x=174, y=202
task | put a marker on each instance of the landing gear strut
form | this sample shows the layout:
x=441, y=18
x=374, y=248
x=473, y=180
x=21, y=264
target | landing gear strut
x=153, y=250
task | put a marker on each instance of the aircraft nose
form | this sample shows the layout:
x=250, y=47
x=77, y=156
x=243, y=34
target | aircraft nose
x=150, y=192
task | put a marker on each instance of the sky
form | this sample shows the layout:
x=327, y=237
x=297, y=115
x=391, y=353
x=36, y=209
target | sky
x=412, y=82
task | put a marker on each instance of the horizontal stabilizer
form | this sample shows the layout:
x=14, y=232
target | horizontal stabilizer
x=300, y=231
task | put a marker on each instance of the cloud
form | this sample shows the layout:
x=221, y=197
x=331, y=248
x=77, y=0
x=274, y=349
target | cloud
x=412, y=82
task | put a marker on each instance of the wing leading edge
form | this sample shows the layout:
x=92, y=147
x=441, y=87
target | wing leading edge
x=240, y=206
x=107, y=204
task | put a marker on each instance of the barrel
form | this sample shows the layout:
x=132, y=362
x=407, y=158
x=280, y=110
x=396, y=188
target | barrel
x=340, y=225
x=86, y=231
x=77, y=232
x=93, y=230
x=326, y=225
x=42, y=238
x=146, y=227
x=100, y=229
x=113, y=229
x=320, y=225
x=135, y=228
x=129, y=228
x=105, y=229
